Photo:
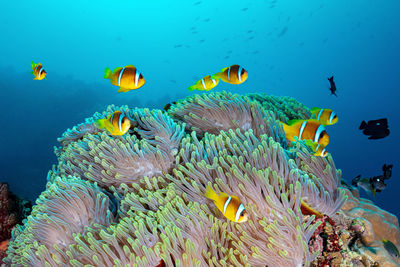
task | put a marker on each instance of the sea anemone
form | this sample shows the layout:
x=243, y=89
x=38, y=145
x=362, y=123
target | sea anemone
x=138, y=199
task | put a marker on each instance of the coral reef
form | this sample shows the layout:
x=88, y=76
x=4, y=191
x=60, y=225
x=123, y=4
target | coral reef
x=12, y=211
x=138, y=199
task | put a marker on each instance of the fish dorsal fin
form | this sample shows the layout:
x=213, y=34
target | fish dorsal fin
x=224, y=69
x=314, y=121
x=117, y=69
x=130, y=66
x=315, y=109
x=292, y=122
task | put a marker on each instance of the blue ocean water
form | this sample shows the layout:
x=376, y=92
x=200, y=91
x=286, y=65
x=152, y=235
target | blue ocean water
x=288, y=47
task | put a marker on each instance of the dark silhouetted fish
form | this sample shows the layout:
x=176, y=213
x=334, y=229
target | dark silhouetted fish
x=376, y=129
x=376, y=183
x=332, y=87
x=197, y=3
x=244, y=9
x=177, y=45
x=168, y=106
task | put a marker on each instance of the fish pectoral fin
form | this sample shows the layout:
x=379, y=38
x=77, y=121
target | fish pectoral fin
x=124, y=90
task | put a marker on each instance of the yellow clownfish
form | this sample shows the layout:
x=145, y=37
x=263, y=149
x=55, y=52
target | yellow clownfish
x=117, y=123
x=127, y=78
x=318, y=149
x=207, y=83
x=234, y=74
x=325, y=116
x=38, y=71
x=230, y=206
x=306, y=129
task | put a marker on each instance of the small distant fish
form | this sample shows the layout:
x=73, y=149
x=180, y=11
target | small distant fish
x=387, y=170
x=116, y=124
x=332, y=87
x=376, y=129
x=390, y=248
x=370, y=185
x=226, y=57
x=249, y=31
x=205, y=84
x=38, y=71
x=197, y=3
x=234, y=74
x=172, y=81
x=245, y=8
x=230, y=206
x=201, y=41
x=177, y=46
x=283, y=31
x=318, y=150
x=168, y=106
x=376, y=183
x=206, y=20
x=324, y=115
x=127, y=78
x=306, y=130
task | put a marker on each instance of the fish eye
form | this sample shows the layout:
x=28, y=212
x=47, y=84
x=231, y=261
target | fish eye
x=140, y=76
x=335, y=116
x=242, y=72
x=322, y=134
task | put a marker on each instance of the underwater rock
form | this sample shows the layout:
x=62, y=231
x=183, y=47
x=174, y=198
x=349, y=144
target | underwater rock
x=138, y=199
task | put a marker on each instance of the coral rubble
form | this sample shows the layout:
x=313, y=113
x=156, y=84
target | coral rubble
x=138, y=199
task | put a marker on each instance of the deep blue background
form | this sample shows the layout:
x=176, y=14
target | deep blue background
x=288, y=47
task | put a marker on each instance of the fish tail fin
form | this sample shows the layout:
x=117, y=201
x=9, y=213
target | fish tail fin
x=363, y=125
x=33, y=65
x=191, y=88
x=101, y=123
x=107, y=73
x=210, y=193
x=216, y=75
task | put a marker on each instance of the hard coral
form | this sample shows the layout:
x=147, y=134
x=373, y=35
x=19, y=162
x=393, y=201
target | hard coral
x=138, y=199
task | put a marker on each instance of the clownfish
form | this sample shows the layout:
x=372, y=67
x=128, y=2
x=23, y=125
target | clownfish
x=38, y=71
x=207, y=83
x=127, y=78
x=116, y=124
x=318, y=149
x=230, y=206
x=234, y=74
x=306, y=129
x=324, y=116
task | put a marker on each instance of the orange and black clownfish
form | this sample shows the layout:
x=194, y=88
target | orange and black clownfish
x=127, y=78
x=234, y=74
x=116, y=124
x=38, y=71
x=325, y=116
x=306, y=129
x=318, y=150
x=231, y=206
x=205, y=84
